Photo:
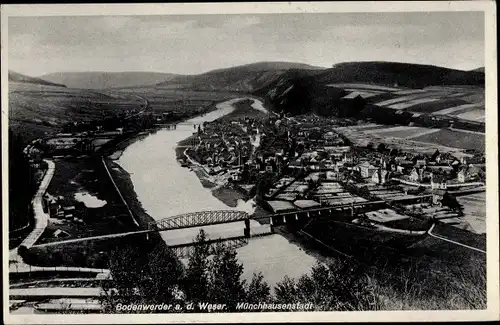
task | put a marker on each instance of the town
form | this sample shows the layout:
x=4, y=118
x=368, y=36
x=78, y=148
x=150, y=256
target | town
x=304, y=162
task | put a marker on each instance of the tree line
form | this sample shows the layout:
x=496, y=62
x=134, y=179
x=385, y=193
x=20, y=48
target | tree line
x=155, y=275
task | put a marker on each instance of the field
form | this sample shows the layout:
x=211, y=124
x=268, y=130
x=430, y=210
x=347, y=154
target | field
x=178, y=101
x=405, y=132
x=465, y=102
x=415, y=139
x=456, y=139
x=36, y=110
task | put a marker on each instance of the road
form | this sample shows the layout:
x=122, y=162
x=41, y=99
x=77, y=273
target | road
x=41, y=219
x=76, y=240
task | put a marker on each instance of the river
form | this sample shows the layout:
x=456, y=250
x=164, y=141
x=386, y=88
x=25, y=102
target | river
x=166, y=189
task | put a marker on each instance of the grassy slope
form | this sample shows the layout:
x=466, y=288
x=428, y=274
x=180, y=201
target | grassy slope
x=35, y=110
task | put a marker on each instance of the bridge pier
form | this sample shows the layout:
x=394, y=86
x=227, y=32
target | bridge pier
x=246, y=231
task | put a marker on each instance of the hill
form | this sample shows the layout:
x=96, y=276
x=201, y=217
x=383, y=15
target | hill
x=403, y=74
x=481, y=69
x=102, y=80
x=244, y=78
x=21, y=78
x=292, y=92
x=36, y=110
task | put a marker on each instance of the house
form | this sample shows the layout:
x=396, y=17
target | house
x=69, y=210
x=461, y=175
x=467, y=173
x=366, y=169
x=436, y=156
x=380, y=176
x=348, y=158
x=414, y=175
x=438, y=181
x=421, y=162
x=332, y=175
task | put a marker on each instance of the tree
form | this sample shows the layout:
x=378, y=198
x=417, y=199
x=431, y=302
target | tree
x=141, y=273
x=166, y=271
x=127, y=271
x=451, y=202
x=22, y=185
x=285, y=291
x=226, y=285
x=381, y=147
x=258, y=290
x=264, y=183
x=337, y=286
x=196, y=280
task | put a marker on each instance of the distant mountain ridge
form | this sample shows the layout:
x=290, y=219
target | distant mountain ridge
x=244, y=78
x=104, y=80
x=404, y=74
x=18, y=77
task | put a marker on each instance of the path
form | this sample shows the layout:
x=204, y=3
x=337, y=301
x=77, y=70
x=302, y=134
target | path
x=452, y=241
x=119, y=193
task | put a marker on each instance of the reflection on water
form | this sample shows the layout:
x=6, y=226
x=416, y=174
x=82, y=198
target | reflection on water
x=166, y=189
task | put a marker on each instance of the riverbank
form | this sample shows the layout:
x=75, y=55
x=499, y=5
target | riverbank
x=225, y=193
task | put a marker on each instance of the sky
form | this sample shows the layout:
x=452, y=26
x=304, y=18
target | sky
x=191, y=44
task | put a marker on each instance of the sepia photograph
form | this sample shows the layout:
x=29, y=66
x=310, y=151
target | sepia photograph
x=265, y=162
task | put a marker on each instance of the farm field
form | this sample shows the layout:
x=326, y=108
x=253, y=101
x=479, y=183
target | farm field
x=177, y=100
x=474, y=115
x=456, y=139
x=458, y=109
x=404, y=132
x=465, y=102
x=415, y=139
x=38, y=110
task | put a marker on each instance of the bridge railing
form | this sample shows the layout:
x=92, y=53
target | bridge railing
x=198, y=219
